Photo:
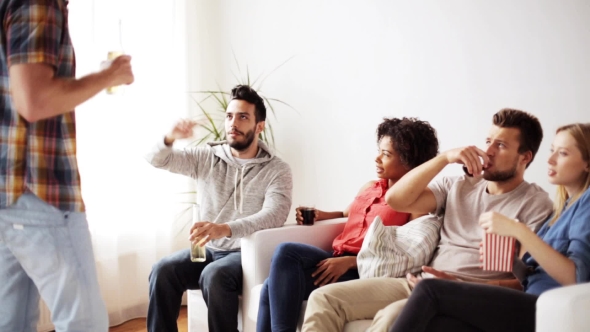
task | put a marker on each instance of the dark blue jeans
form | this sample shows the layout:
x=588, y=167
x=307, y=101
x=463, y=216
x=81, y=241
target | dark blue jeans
x=289, y=283
x=219, y=278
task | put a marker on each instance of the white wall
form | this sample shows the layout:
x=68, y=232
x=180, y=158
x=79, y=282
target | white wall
x=453, y=63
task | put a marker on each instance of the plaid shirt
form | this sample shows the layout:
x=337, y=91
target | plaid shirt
x=38, y=157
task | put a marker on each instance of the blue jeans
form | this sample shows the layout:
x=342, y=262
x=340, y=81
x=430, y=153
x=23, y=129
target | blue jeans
x=289, y=283
x=219, y=278
x=47, y=252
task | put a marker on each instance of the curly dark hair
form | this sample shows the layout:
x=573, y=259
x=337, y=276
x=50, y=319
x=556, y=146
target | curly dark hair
x=246, y=93
x=414, y=141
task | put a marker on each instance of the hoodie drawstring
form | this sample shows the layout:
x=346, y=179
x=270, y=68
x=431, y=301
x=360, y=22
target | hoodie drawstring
x=241, y=188
x=235, y=188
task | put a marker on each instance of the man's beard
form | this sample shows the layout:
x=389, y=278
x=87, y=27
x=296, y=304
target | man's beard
x=241, y=146
x=500, y=176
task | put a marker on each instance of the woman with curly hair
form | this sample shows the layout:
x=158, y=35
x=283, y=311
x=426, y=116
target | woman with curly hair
x=297, y=269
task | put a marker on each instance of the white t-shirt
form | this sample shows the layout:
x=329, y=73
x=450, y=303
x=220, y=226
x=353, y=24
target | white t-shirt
x=461, y=200
x=241, y=161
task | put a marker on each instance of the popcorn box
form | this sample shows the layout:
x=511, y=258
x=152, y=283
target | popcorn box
x=498, y=252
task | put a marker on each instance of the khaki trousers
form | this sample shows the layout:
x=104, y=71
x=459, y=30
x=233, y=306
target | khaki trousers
x=330, y=307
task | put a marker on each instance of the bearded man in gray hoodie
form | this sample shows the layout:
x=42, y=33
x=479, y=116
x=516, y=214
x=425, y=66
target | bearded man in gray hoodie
x=244, y=188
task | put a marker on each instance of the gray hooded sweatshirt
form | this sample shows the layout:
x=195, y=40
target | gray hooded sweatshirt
x=248, y=197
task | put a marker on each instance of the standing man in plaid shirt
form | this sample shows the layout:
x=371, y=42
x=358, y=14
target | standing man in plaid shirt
x=45, y=246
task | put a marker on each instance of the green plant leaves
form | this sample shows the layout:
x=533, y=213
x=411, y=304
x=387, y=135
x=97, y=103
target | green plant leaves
x=214, y=103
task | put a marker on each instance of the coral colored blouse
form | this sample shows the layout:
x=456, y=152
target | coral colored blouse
x=363, y=210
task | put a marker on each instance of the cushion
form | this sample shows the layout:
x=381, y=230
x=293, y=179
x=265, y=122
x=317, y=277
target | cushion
x=394, y=251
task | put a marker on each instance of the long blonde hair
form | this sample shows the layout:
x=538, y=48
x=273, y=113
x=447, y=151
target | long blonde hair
x=581, y=134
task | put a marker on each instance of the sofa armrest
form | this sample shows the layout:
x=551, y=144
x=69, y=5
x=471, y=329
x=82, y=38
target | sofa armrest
x=564, y=309
x=258, y=248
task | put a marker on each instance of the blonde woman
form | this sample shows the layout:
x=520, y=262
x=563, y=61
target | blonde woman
x=558, y=255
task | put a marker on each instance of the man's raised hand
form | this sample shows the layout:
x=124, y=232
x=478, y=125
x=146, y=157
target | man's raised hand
x=471, y=157
x=182, y=130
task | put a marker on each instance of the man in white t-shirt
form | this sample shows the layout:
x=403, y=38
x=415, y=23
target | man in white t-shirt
x=494, y=182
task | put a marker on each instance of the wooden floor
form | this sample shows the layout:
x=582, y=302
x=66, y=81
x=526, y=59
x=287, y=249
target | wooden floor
x=138, y=325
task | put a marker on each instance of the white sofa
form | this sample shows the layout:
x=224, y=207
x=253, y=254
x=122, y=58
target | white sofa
x=257, y=250
x=565, y=309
